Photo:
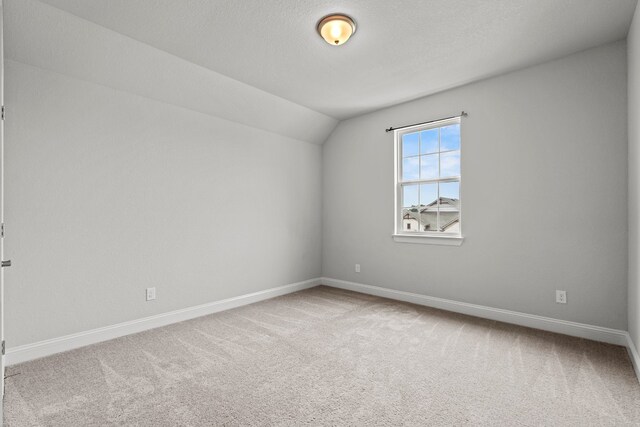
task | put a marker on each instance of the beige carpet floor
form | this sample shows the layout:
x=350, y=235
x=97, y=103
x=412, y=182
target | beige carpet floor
x=329, y=357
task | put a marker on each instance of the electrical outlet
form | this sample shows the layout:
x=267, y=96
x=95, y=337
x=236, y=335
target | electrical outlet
x=357, y=268
x=561, y=297
x=151, y=294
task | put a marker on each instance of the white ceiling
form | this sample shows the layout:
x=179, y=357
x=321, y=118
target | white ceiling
x=403, y=49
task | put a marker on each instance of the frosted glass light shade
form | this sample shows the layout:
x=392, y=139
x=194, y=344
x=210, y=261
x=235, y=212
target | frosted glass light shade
x=336, y=29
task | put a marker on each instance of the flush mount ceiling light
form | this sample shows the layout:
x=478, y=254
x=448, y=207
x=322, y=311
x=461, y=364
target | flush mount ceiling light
x=336, y=29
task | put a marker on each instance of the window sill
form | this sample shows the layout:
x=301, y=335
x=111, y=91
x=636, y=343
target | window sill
x=429, y=240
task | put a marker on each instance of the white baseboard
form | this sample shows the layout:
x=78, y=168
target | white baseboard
x=633, y=355
x=582, y=330
x=39, y=349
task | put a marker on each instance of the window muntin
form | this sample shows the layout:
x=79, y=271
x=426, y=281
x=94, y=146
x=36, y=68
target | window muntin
x=428, y=179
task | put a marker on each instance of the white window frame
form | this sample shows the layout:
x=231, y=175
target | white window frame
x=424, y=237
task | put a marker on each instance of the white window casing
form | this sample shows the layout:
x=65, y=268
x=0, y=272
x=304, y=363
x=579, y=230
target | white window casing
x=428, y=173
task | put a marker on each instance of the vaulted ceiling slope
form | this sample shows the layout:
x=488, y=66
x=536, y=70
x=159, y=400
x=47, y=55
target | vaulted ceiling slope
x=43, y=36
x=402, y=50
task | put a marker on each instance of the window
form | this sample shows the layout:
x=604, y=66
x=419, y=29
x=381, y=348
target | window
x=428, y=182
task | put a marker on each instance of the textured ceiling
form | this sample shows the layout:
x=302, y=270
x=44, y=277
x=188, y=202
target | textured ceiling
x=48, y=38
x=402, y=50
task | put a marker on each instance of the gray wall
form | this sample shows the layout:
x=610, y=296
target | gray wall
x=633, y=49
x=544, y=194
x=110, y=192
x=128, y=167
